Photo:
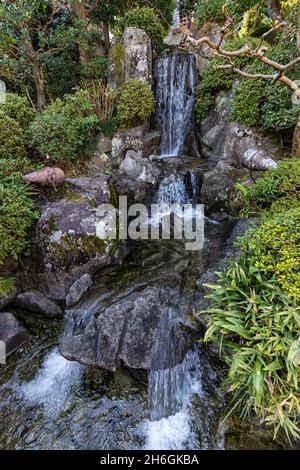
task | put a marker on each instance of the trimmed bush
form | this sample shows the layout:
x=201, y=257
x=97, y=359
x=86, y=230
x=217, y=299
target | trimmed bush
x=96, y=69
x=280, y=185
x=66, y=129
x=18, y=108
x=16, y=217
x=145, y=18
x=136, y=103
x=12, y=138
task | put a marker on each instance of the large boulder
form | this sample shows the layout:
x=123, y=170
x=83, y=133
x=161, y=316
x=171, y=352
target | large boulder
x=218, y=186
x=37, y=303
x=11, y=332
x=66, y=245
x=139, y=169
x=223, y=139
x=131, y=332
x=138, y=55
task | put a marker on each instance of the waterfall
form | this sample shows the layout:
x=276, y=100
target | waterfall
x=170, y=393
x=175, y=96
x=172, y=190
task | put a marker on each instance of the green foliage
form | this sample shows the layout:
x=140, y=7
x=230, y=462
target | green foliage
x=16, y=217
x=256, y=303
x=118, y=55
x=215, y=80
x=259, y=327
x=12, y=138
x=256, y=21
x=96, y=69
x=274, y=249
x=279, y=185
x=211, y=10
x=147, y=19
x=259, y=102
x=66, y=129
x=6, y=285
x=18, y=108
x=136, y=103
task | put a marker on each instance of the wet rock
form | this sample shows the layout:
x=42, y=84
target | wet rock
x=138, y=55
x=139, y=169
x=11, y=332
x=78, y=289
x=37, y=303
x=129, y=333
x=217, y=187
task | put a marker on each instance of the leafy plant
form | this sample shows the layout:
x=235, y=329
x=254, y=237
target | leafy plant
x=18, y=108
x=280, y=185
x=258, y=328
x=147, y=19
x=67, y=128
x=17, y=214
x=135, y=103
x=12, y=138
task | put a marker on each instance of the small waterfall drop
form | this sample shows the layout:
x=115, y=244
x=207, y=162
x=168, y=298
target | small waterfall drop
x=176, y=81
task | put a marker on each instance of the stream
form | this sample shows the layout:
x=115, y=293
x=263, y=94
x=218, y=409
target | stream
x=48, y=402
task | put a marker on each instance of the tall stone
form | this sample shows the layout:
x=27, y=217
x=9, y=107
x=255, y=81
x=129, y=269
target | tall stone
x=138, y=55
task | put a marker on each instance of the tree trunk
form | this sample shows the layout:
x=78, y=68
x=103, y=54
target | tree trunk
x=40, y=87
x=105, y=30
x=274, y=9
x=38, y=74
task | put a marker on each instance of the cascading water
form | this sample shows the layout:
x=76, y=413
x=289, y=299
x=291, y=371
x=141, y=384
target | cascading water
x=176, y=81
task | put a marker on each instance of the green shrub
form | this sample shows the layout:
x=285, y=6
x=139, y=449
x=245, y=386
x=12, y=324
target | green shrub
x=96, y=69
x=260, y=102
x=279, y=185
x=66, y=129
x=215, y=80
x=259, y=327
x=210, y=10
x=18, y=108
x=135, y=103
x=16, y=217
x=256, y=21
x=273, y=248
x=12, y=138
x=145, y=18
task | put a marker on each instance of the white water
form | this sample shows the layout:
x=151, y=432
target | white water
x=170, y=395
x=53, y=384
x=175, y=96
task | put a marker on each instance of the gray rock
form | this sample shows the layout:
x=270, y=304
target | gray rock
x=103, y=144
x=217, y=187
x=129, y=333
x=11, y=332
x=138, y=55
x=225, y=140
x=37, y=303
x=204, y=54
x=124, y=141
x=139, y=169
x=78, y=289
x=94, y=189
